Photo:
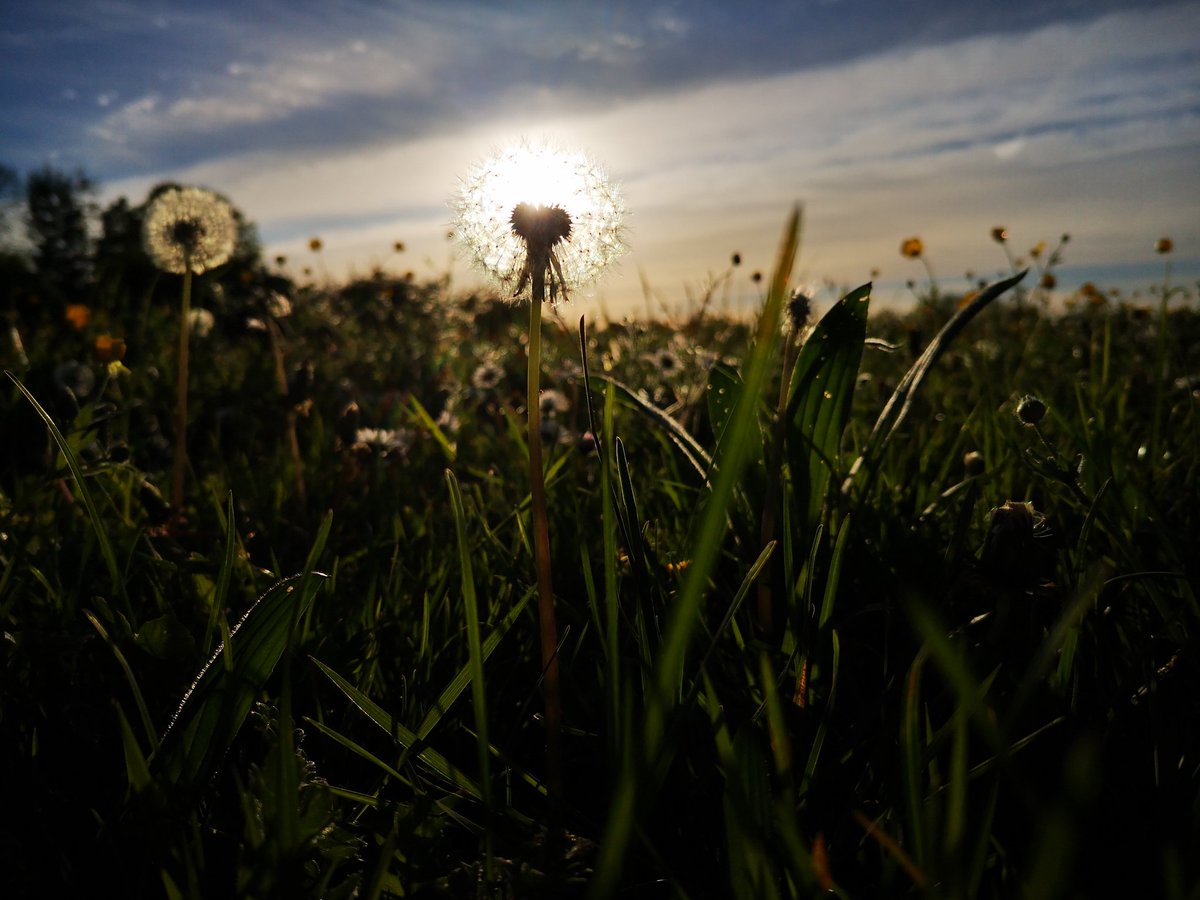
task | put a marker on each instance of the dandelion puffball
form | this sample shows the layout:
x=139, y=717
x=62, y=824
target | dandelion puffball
x=189, y=230
x=527, y=177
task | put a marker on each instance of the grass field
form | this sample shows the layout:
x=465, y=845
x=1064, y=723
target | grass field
x=832, y=616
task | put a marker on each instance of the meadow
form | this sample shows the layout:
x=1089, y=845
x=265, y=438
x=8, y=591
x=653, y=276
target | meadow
x=887, y=604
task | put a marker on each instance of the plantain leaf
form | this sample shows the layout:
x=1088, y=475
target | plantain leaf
x=819, y=397
x=216, y=705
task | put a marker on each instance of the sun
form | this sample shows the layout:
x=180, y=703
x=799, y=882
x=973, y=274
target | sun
x=540, y=175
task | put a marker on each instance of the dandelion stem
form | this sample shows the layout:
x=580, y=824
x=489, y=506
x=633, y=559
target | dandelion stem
x=541, y=549
x=179, y=470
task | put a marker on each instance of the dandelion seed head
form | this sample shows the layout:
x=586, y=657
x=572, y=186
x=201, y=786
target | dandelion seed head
x=586, y=236
x=189, y=229
x=1031, y=410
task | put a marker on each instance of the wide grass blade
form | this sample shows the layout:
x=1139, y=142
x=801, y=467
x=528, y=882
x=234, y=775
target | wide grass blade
x=216, y=705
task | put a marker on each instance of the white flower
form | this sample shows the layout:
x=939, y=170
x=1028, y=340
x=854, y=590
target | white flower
x=552, y=402
x=384, y=441
x=486, y=376
x=200, y=322
x=279, y=306
x=189, y=229
x=547, y=181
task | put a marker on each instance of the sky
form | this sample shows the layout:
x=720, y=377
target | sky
x=354, y=121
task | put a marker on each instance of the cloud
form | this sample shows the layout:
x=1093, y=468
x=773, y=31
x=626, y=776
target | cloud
x=1092, y=129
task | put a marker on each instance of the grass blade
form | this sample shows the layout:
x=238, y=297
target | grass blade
x=631, y=791
x=474, y=645
x=215, y=706
x=106, y=549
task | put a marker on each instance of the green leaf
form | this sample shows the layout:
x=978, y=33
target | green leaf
x=165, y=638
x=474, y=644
x=458, y=684
x=819, y=398
x=724, y=389
x=217, y=703
x=136, y=767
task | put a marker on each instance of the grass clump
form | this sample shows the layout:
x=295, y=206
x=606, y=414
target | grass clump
x=835, y=611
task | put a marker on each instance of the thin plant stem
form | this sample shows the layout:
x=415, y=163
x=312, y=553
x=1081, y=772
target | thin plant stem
x=1163, y=364
x=179, y=470
x=541, y=549
x=281, y=383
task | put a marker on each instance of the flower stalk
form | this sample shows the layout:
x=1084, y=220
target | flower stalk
x=187, y=231
x=179, y=467
x=547, y=619
x=539, y=219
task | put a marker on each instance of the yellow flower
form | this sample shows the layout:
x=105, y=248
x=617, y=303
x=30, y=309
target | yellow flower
x=315, y=244
x=912, y=247
x=533, y=204
x=78, y=316
x=1049, y=281
x=1164, y=245
x=108, y=348
x=189, y=229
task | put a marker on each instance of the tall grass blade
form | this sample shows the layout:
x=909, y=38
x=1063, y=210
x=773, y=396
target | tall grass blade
x=684, y=617
x=106, y=549
x=896, y=410
x=126, y=669
x=474, y=647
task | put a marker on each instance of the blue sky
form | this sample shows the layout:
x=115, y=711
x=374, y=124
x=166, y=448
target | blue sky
x=353, y=119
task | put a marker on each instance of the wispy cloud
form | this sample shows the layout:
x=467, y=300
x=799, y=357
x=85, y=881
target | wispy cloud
x=361, y=129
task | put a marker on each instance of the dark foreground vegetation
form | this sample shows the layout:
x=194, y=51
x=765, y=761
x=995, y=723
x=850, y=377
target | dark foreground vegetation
x=833, y=615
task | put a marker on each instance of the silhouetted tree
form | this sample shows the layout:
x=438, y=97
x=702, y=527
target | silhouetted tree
x=57, y=210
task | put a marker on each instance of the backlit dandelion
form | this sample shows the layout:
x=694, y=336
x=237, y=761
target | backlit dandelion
x=189, y=230
x=534, y=203
x=540, y=217
x=186, y=231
